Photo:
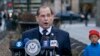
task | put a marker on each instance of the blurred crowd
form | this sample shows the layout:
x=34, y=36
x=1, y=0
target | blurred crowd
x=7, y=20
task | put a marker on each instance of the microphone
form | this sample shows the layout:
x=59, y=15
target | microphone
x=26, y=40
x=45, y=44
x=32, y=47
x=49, y=45
x=53, y=41
x=53, y=44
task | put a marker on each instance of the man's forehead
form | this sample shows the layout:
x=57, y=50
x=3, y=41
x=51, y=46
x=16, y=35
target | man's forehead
x=44, y=10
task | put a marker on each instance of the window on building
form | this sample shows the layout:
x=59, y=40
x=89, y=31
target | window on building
x=66, y=1
x=23, y=1
x=52, y=1
x=20, y=1
x=16, y=1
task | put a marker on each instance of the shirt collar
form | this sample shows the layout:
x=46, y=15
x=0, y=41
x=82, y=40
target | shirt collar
x=41, y=29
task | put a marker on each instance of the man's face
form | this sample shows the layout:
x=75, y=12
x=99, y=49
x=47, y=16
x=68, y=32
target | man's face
x=94, y=38
x=45, y=18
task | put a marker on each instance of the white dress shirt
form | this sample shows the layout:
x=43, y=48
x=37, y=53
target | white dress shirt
x=48, y=30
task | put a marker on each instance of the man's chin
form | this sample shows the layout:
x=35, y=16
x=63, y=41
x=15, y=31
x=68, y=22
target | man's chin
x=46, y=27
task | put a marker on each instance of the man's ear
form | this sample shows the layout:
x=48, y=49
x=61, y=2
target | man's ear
x=53, y=16
x=36, y=18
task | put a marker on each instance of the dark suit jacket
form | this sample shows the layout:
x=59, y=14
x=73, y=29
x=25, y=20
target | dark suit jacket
x=61, y=36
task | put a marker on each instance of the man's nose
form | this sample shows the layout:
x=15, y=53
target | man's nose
x=45, y=17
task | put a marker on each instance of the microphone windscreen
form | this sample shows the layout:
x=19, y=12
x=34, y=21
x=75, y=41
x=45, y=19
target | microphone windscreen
x=26, y=40
x=45, y=43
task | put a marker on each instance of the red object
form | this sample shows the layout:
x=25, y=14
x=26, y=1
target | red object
x=94, y=32
x=9, y=4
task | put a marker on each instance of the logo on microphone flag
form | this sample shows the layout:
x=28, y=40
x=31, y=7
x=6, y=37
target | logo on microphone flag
x=53, y=43
x=32, y=47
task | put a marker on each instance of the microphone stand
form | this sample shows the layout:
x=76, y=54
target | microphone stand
x=46, y=53
x=53, y=52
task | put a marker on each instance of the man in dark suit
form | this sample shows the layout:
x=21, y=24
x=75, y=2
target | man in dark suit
x=45, y=18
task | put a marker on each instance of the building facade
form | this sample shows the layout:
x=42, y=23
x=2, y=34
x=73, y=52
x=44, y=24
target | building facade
x=33, y=5
x=57, y=5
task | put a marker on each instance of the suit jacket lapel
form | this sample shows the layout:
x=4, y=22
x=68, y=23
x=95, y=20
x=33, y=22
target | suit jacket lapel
x=54, y=31
x=36, y=33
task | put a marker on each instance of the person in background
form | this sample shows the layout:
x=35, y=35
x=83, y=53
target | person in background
x=0, y=18
x=86, y=14
x=94, y=48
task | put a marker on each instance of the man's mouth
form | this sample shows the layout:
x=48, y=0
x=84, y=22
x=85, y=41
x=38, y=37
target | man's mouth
x=45, y=23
